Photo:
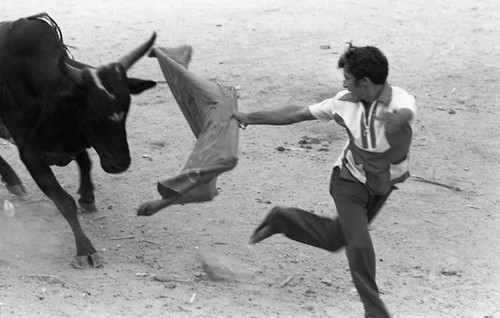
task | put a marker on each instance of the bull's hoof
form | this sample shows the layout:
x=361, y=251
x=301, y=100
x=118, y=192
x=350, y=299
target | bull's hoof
x=87, y=207
x=87, y=261
x=18, y=190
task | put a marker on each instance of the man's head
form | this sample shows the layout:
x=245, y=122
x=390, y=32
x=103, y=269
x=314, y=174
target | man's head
x=365, y=61
x=363, y=66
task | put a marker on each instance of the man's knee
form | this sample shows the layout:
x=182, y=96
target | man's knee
x=359, y=253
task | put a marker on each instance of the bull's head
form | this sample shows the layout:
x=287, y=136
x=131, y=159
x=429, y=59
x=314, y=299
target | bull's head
x=106, y=91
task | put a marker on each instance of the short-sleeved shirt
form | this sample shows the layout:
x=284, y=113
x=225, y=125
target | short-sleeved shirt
x=371, y=156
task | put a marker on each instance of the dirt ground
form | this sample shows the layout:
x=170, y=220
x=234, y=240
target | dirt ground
x=437, y=244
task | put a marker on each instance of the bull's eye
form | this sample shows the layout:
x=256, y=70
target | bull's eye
x=117, y=117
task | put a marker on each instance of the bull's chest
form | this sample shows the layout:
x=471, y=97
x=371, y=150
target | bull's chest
x=60, y=150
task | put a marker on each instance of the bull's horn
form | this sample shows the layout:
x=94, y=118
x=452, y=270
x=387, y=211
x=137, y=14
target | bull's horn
x=128, y=60
x=74, y=73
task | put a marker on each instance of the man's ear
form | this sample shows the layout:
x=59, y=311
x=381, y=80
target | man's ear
x=366, y=81
x=137, y=86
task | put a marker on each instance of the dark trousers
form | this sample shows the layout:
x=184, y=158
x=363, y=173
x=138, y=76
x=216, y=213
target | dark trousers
x=356, y=207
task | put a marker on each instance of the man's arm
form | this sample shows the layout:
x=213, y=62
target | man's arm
x=394, y=121
x=282, y=116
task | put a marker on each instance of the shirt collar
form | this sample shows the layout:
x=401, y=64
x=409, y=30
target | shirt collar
x=384, y=96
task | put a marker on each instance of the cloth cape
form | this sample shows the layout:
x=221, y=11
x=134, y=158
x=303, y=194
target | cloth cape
x=208, y=108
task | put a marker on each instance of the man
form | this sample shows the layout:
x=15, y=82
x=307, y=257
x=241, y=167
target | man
x=378, y=119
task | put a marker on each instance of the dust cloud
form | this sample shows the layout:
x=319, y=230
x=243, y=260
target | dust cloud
x=30, y=231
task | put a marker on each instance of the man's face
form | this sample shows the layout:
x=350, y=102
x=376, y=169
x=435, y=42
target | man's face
x=354, y=86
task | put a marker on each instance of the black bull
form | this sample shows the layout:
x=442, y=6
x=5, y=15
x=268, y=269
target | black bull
x=54, y=108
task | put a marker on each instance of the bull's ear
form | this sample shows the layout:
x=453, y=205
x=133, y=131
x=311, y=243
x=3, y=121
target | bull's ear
x=137, y=86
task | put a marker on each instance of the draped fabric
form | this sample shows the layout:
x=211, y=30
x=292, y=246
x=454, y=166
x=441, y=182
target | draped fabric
x=208, y=109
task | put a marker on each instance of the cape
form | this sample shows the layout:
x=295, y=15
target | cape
x=208, y=108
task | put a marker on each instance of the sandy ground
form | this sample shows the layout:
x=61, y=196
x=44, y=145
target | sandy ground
x=437, y=247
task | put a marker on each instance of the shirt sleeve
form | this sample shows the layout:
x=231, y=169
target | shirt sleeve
x=326, y=110
x=405, y=100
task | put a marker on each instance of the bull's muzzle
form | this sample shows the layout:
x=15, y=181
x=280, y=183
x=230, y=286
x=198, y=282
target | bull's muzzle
x=115, y=166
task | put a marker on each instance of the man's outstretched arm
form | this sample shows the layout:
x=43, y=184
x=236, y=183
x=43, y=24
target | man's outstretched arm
x=281, y=116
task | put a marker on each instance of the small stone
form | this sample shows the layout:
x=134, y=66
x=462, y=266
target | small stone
x=216, y=268
x=310, y=308
x=448, y=272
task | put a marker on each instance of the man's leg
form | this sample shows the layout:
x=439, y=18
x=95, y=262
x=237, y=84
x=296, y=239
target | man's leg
x=375, y=203
x=353, y=200
x=301, y=226
x=356, y=208
x=308, y=228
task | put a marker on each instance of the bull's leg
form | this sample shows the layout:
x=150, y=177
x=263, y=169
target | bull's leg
x=86, y=254
x=86, y=189
x=10, y=178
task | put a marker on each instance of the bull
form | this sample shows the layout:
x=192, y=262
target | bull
x=54, y=108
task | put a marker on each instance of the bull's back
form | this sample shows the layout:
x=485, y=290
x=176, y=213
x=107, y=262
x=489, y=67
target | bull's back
x=30, y=79
x=31, y=46
x=5, y=27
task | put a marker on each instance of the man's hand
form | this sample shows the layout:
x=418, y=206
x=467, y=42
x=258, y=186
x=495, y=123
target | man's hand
x=394, y=121
x=242, y=119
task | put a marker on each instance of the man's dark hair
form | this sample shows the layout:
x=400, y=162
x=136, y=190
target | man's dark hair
x=365, y=61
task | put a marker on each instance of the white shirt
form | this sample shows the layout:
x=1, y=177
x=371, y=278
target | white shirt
x=371, y=156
